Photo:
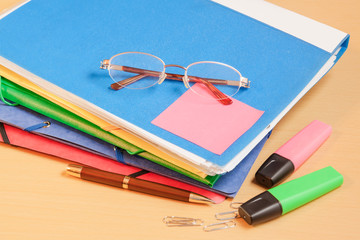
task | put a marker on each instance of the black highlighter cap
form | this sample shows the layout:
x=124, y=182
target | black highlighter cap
x=261, y=208
x=275, y=169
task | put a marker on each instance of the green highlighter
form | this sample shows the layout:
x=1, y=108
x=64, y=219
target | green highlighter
x=286, y=197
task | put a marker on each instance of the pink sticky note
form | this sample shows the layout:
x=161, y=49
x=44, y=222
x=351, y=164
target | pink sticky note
x=206, y=122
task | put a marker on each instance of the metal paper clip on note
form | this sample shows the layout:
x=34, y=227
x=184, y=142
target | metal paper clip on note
x=286, y=197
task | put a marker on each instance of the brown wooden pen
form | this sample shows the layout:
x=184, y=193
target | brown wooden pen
x=135, y=184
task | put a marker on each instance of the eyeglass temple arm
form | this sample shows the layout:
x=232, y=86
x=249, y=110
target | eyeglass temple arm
x=243, y=83
x=121, y=84
x=221, y=97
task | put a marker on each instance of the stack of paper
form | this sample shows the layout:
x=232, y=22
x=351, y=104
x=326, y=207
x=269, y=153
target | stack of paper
x=49, y=62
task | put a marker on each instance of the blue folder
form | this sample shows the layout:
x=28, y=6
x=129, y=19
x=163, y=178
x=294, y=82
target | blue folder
x=26, y=119
x=63, y=44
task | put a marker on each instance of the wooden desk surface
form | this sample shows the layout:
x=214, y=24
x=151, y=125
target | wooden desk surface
x=38, y=201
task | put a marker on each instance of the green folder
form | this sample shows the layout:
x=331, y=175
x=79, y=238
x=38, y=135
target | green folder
x=31, y=100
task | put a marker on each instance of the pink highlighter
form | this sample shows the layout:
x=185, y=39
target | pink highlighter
x=290, y=156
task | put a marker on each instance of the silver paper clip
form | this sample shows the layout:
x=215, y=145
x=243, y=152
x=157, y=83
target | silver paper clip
x=173, y=221
x=236, y=205
x=231, y=214
x=219, y=226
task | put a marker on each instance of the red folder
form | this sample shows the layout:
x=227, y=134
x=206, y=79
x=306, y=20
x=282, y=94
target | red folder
x=41, y=144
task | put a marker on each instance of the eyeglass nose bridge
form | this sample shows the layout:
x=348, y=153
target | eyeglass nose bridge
x=164, y=75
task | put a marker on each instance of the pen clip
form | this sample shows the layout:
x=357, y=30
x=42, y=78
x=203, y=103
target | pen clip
x=173, y=221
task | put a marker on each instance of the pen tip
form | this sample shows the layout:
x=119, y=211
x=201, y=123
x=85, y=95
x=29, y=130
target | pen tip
x=196, y=198
x=74, y=170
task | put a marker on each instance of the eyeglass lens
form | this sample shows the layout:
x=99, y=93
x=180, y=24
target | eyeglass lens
x=221, y=76
x=135, y=70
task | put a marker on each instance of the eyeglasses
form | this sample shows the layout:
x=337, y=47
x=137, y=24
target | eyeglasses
x=137, y=70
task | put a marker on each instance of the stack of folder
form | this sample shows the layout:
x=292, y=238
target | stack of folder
x=56, y=100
